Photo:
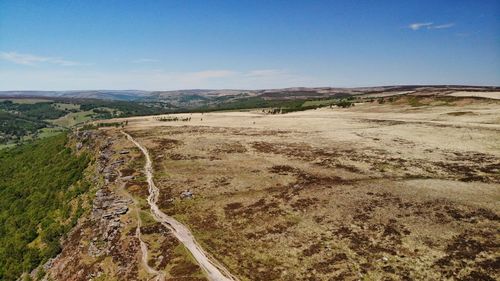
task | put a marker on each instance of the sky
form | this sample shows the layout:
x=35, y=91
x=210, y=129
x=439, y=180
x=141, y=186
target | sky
x=239, y=44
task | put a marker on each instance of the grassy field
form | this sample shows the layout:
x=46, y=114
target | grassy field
x=73, y=118
x=49, y=132
x=378, y=191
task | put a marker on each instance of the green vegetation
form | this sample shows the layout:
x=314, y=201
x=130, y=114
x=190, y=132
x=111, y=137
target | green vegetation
x=27, y=119
x=41, y=110
x=253, y=102
x=49, y=132
x=3, y=146
x=276, y=106
x=344, y=103
x=120, y=108
x=323, y=102
x=26, y=101
x=73, y=118
x=414, y=102
x=100, y=125
x=67, y=106
x=40, y=183
x=15, y=126
x=20, y=121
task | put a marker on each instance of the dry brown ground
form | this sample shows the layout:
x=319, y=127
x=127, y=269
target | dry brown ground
x=375, y=192
x=491, y=95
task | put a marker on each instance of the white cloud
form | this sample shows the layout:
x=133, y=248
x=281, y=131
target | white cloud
x=145, y=60
x=429, y=25
x=419, y=25
x=442, y=26
x=29, y=59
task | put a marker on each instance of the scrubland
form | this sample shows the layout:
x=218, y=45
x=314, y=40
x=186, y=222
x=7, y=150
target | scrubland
x=406, y=190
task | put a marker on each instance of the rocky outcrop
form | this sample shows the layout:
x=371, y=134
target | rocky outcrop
x=106, y=212
x=107, y=207
x=99, y=234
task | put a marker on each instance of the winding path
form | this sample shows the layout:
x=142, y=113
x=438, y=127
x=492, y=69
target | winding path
x=213, y=269
x=160, y=276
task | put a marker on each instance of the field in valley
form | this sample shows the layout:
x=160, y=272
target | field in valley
x=392, y=191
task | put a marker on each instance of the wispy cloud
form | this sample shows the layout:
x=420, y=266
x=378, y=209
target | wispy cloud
x=442, y=26
x=429, y=25
x=419, y=25
x=29, y=59
x=145, y=60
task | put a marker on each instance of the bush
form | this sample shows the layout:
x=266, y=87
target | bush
x=345, y=104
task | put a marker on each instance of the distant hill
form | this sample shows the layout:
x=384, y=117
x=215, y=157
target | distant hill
x=27, y=115
x=194, y=95
x=124, y=95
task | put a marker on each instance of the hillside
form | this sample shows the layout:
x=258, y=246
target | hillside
x=304, y=92
x=41, y=198
x=27, y=118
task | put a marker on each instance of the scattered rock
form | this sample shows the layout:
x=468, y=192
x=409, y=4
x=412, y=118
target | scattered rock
x=187, y=194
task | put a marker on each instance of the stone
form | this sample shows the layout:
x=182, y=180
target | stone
x=187, y=194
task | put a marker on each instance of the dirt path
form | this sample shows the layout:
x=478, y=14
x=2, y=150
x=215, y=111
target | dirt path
x=159, y=275
x=213, y=269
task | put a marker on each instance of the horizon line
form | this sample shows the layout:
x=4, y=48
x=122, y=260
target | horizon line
x=266, y=89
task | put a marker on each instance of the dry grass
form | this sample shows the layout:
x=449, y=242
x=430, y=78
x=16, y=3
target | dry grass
x=491, y=95
x=373, y=192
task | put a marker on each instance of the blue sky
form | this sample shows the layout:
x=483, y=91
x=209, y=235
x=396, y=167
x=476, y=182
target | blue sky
x=163, y=45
